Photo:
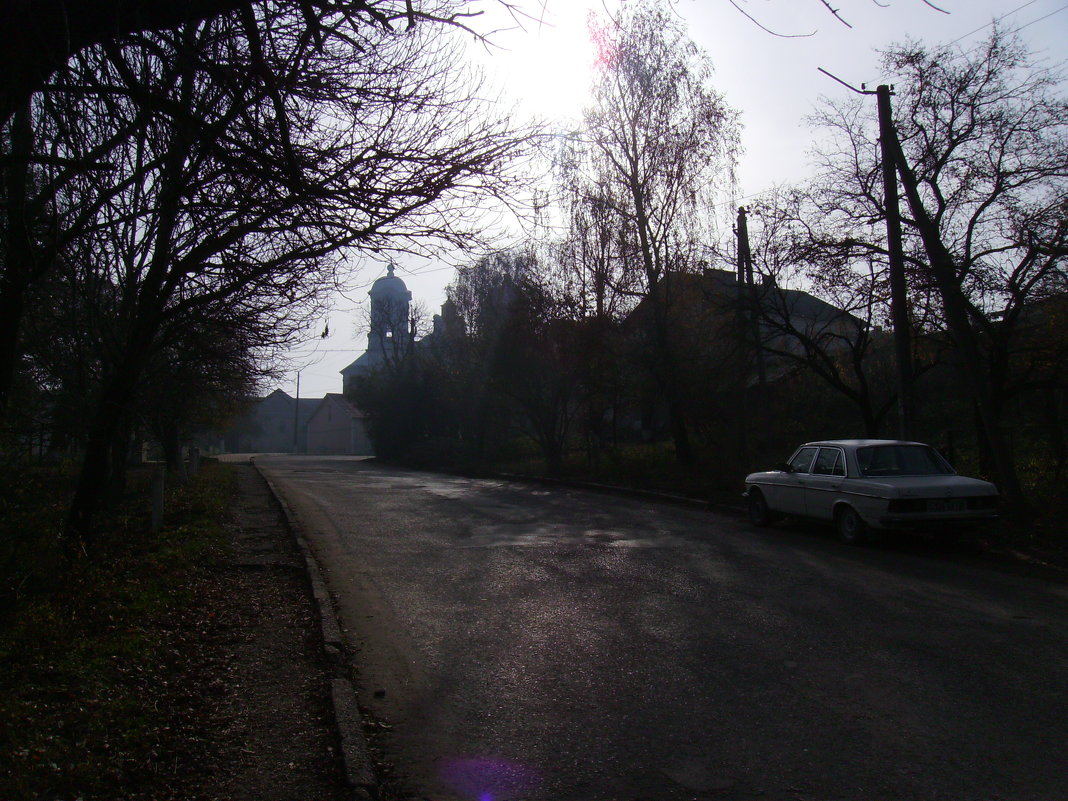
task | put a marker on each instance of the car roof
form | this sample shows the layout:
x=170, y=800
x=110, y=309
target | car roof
x=859, y=443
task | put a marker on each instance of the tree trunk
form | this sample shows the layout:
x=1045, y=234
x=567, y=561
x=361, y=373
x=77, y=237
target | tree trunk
x=664, y=367
x=11, y=309
x=120, y=457
x=871, y=424
x=680, y=432
x=146, y=302
x=958, y=319
x=103, y=468
x=984, y=452
x=1055, y=430
x=172, y=448
x=94, y=478
x=18, y=267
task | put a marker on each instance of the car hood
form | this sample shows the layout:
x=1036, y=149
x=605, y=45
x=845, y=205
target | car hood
x=768, y=476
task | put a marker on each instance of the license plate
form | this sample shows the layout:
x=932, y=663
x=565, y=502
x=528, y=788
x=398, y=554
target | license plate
x=947, y=505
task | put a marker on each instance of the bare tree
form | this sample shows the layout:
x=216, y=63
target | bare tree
x=243, y=159
x=659, y=140
x=535, y=367
x=38, y=36
x=982, y=152
x=197, y=383
x=483, y=296
x=520, y=350
x=341, y=46
x=834, y=327
x=593, y=268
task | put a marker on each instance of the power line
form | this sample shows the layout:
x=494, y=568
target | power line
x=328, y=350
x=736, y=201
x=1008, y=14
x=410, y=273
x=1050, y=14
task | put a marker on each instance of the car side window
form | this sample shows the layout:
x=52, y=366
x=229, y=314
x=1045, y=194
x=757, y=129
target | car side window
x=829, y=463
x=802, y=460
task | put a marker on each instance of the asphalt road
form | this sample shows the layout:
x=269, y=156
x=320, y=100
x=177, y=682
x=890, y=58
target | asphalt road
x=524, y=642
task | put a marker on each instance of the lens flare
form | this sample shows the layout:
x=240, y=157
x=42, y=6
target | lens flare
x=489, y=778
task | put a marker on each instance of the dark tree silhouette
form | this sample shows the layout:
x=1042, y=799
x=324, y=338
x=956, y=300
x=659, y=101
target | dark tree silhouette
x=982, y=154
x=234, y=162
x=658, y=141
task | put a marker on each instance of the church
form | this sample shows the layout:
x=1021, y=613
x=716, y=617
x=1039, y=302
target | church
x=391, y=336
x=279, y=423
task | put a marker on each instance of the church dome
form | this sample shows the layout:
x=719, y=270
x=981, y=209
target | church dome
x=390, y=286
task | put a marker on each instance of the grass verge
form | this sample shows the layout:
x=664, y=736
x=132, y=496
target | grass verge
x=88, y=653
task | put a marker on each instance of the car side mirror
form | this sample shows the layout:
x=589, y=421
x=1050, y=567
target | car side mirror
x=783, y=467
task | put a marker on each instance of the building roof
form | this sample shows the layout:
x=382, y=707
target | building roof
x=305, y=406
x=798, y=302
x=390, y=286
x=337, y=399
x=365, y=362
x=719, y=288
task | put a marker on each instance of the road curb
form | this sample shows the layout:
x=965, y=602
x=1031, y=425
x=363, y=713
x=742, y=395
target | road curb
x=347, y=719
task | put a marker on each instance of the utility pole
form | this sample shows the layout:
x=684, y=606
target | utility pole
x=899, y=310
x=745, y=255
x=296, y=418
x=748, y=287
x=742, y=328
x=748, y=323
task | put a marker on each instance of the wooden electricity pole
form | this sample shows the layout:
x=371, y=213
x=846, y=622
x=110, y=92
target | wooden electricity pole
x=748, y=291
x=296, y=418
x=750, y=348
x=899, y=307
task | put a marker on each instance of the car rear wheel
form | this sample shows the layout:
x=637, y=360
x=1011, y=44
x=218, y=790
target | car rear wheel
x=850, y=527
x=759, y=513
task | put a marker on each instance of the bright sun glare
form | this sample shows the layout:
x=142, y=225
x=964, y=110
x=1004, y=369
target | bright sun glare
x=549, y=67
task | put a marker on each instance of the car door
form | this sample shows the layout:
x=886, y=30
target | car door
x=823, y=486
x=790, y=497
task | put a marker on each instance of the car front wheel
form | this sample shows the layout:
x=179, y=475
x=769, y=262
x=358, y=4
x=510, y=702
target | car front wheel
x=850, y=527
x=759, y=513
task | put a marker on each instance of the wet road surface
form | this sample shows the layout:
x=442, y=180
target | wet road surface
x=524, y=642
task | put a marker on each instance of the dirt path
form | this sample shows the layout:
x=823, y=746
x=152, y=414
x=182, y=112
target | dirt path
x=258, y=670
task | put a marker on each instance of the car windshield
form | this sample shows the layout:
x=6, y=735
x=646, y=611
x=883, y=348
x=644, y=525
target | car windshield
x=901, y=460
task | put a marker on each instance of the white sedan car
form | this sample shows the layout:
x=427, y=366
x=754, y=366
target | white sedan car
x=870, y=484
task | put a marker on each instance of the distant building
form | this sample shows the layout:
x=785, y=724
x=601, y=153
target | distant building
x=704, y=318
x=332, y=425
x=274, y=424
x=337, y=427
x=390, y=337
x=725, y=336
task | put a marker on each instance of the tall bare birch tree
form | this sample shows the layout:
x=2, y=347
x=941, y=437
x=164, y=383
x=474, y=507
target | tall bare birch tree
x=659, y=142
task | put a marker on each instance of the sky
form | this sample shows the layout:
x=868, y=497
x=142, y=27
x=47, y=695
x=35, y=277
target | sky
x=545, y=68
